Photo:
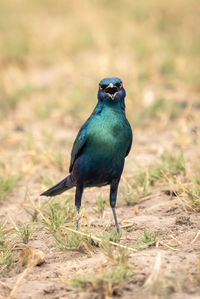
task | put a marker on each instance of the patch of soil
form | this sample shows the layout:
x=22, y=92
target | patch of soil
x=176, y=274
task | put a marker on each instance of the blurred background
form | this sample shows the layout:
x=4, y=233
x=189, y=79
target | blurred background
x=54, y=53
x=52, y=56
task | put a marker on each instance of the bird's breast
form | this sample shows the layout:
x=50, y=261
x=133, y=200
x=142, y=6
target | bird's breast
x=108, y=135
x=102, y=157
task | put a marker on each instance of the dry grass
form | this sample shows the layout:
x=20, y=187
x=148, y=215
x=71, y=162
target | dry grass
x=52, y=56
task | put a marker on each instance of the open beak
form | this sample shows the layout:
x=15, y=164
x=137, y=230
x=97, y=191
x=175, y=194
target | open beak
x=111, y=90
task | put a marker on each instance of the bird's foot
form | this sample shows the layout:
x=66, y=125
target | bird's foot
x=77, y=224
x=77, y=218
x=116, y=222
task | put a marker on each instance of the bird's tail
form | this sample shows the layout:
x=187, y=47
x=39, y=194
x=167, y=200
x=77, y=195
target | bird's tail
x=62, y=186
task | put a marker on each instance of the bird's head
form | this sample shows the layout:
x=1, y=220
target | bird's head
x=111, y=89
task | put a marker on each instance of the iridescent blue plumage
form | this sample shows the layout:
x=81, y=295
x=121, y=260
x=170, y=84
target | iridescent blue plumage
x=109, y=80
x=100, y=148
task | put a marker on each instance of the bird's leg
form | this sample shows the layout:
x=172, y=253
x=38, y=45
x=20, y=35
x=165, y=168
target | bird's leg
x=78, y=196
x=115, y=217
x=113, y=197
x=77, y=217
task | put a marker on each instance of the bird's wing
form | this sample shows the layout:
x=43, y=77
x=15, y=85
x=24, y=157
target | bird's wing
x=78, y=145
x=81, y=138
x=129, y=148
x=130, y=143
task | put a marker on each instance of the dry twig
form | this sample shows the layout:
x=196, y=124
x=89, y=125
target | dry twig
x=153, y=277
x=195, y=238
x=23, y=274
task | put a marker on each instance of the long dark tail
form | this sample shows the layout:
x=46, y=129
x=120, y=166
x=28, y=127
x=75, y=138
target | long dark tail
x=62, y=186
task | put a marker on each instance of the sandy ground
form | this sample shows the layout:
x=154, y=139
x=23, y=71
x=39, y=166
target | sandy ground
x=52, y=56
x=169, y=269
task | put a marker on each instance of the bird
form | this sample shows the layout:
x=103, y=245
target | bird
x=100, y=148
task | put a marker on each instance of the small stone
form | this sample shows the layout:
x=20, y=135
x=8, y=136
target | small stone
x=29, y=256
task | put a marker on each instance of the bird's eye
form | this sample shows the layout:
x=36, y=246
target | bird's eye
x=102, y=87
x=119, y=85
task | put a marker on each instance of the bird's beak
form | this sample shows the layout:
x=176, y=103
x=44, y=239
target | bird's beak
x=111, y=90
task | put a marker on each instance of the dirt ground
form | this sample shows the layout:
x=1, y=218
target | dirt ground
x=52, y=56
x=169, y=268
